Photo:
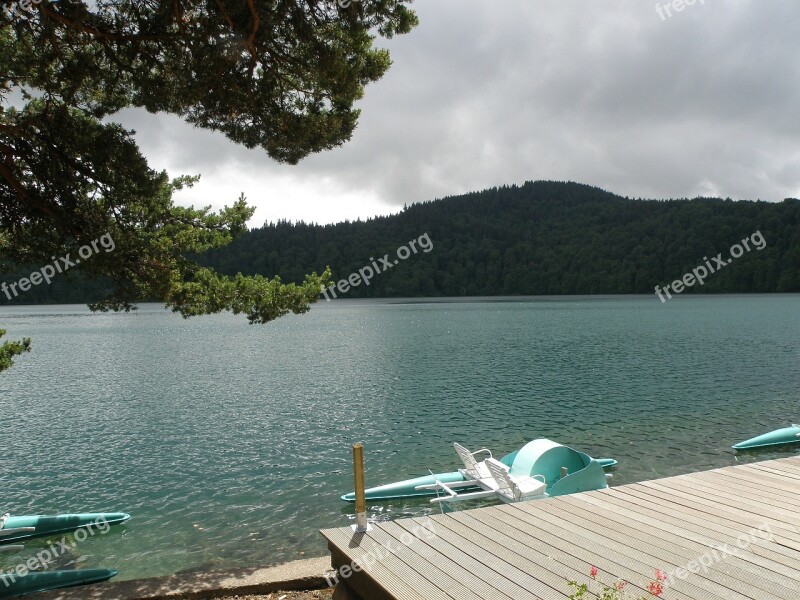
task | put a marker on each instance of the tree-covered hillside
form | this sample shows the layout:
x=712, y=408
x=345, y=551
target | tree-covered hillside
x=538, y=238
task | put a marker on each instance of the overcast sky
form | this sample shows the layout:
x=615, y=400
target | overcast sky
x=484, y=93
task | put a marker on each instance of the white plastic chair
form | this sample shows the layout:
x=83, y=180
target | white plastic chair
x=511, y=488
x=472, y=468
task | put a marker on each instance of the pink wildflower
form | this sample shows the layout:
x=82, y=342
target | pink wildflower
x=655, y=588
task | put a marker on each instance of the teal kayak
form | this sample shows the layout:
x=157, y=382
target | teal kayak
x=12, y=585
x=33, y=526
x=779, y=437
x=407, y=488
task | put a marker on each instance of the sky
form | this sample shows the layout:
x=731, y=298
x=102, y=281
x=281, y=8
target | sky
x=627, y=95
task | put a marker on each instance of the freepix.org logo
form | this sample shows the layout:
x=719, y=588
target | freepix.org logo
x=701, y=272
x=44, y=557
x=59, y=265
x=367, y=272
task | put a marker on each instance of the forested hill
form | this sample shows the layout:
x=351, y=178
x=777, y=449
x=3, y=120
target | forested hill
x=538, y=238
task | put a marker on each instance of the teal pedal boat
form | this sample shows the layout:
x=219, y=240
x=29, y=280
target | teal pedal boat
x=779, y=437
x=13, y=585
x=25, y=527
x=584, y=473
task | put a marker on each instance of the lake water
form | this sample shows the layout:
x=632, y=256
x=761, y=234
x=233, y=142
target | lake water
x=230, y=443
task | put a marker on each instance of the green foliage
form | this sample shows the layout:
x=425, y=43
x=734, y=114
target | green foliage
x=282, y=75
x=279, y=74
x=261, y=299
x=63, y=205
x=539, y=238
x=8, y=350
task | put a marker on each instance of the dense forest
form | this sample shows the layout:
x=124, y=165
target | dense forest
x=537, y=238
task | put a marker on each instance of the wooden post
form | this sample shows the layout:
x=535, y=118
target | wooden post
x=361, y=500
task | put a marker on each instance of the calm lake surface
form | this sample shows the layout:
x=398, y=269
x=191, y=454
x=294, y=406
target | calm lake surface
x=230, y=443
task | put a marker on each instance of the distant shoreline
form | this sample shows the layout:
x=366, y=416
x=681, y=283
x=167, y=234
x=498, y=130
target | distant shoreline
x=478, y=299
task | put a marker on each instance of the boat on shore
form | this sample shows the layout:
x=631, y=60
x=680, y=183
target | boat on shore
x=584, y=473
x=26, y=527
x=12, y=585
x=779, y=437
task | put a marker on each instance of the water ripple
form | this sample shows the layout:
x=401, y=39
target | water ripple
x=230, y=444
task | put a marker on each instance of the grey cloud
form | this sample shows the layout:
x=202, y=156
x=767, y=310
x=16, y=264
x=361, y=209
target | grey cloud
x=605, y=93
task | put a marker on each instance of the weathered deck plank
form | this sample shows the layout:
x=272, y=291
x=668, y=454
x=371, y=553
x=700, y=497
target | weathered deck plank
x=787, y=468
x=708, y=509
x=479, y=560
x=528, y=551
x=704, y=529
x=750, y=504
x=637, y=555
x=667, y=540
x=527, y=531
x=771, y=493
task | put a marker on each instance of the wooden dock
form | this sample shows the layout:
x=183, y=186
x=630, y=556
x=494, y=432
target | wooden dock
x=726, y=534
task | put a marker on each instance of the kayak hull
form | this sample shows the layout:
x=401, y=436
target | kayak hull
x=779, y=437
x=45, y=525
x=12, y=585
x=407, y=487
